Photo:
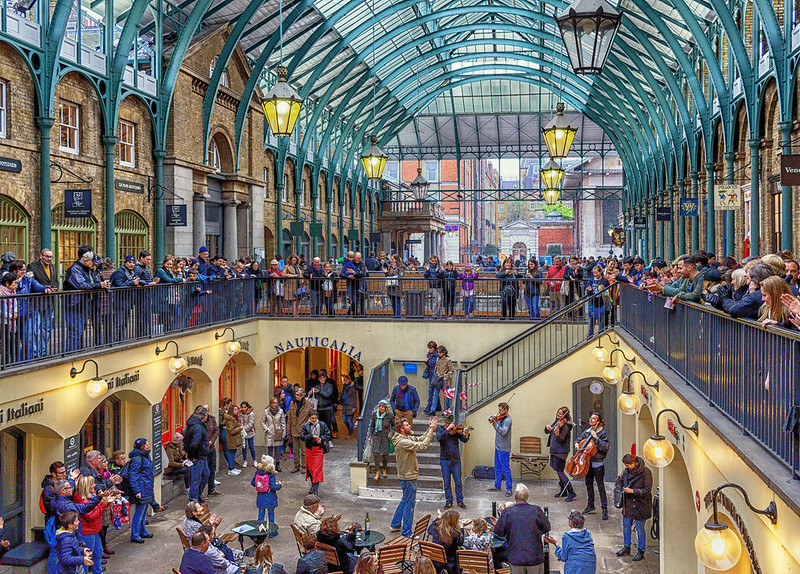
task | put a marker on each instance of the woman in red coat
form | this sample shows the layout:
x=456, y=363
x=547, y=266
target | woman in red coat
x=92, y=521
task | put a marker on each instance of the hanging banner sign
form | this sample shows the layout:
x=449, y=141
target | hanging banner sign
x=176, y=215
x=131, y=186
x=663, y=213
x=296, y=229
x=639, y=222
x=78, y=203
x=375, y=237
x=689, y=207
x=156, y=441
x=72, y=452
x=790, y=170
x=727, y=196
x=315, y=229
x=10, y=164
x=352, y=234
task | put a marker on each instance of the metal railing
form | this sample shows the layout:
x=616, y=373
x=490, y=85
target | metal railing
x=537, y=348
x=377, y=389
x=749, y=373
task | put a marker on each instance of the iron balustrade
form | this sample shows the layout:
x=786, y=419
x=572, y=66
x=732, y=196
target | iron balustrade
x=376, y=390
x=750, y=374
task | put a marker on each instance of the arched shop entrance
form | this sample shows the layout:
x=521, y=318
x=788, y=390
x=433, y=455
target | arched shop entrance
x=189, y=389
x=297, y=365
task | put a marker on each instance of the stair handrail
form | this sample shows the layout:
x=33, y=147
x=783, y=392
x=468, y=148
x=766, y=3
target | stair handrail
x=370, y=402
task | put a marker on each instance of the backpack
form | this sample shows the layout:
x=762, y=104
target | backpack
x=262, y=483
x=125, y=485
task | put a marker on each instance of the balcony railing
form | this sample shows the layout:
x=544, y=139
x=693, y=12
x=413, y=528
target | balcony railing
x=413, y=209
x=38, y=327
x=749, y=373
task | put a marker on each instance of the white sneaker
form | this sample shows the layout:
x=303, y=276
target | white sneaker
x=217, y=483
x=236, y=471
x=233, y=472
x=244, y=464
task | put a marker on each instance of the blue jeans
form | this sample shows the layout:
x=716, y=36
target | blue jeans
x=433, y=398
x=533, y=306
x=595, y=316
x=137, y=523
x=451, y=468
x=270, y=514
x=348, y=422
x=230, y=454
x=94, y=544
x=469, y=304
x=640, y=536
x=396, y=305
x=199, y=477
x=248, y=444
x=76, y=323
x=223, y=438
x=502, y=468
x=405, y=510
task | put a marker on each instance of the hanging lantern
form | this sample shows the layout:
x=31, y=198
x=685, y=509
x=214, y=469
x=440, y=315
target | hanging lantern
x=588, y=28
x=551, y=175
x=374, y=160
x=281, y=106
x=717, y=546
x=420, y=185
x=559, y=134
x=551, y=196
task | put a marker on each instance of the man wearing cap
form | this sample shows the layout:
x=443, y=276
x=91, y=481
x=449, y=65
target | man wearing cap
x=309, y=517
x=405, y=401
x=124, y=277
x=406, y=447
x=450, y=458
x=202, y=260
x=80, y=276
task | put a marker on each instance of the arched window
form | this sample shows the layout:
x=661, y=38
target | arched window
x=13, y=228
x=214, y=159
x=67, y=235
x=131, y=232
x=223, y=80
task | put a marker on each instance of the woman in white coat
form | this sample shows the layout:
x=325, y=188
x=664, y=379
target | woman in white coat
x=273, y=421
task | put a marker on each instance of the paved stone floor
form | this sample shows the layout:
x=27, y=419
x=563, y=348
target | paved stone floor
x=163, y=552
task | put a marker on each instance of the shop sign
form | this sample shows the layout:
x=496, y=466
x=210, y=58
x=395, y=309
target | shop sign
x=131, y=186
x=78, y=203
x=155, y=451
x=72, y=452
x=196, y=360
x=727, y=196
x=10, y=164
x=375, y=237
x=315, y=229
x=730, y=508
x=122, y=380
x=245, y=345
x=640, y=222
x=296, y=229
x=176, y=215
x=21, y=411
x=327, y=342
x=688, y=207
x=676, y=433
x=352, y=234
x=663, y=213
x=790, y=170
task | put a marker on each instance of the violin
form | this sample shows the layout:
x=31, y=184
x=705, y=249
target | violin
x=578, y=464
x=460, y=429
x=494, y=418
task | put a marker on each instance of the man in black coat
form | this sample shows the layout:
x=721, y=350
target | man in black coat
x=635, y=484
x=195, y=443
x=522, y=525
x=45, y=273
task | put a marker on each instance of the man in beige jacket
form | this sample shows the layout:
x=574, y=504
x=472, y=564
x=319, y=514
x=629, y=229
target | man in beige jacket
x=406, y=447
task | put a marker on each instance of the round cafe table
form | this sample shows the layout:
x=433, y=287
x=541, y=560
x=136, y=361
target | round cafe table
x=255, y=530
x=368, y=541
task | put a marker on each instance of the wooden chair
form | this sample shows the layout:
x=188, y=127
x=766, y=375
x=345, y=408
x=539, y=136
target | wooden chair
x=175, y=571
x=298, y=539
x=503, y=571
x=331, y=557
x=399, y=539
x=421, y=528
x=475, y=560
x=435, y=552
x=183, y=537
x=392, y=558
x=530, y=458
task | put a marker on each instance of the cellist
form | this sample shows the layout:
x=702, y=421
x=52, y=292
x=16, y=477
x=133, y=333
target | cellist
x=558, y=440
x=597, y=470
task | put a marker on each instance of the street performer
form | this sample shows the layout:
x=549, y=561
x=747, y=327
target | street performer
x=558, y=440
x=502, y=448
x=597, y=467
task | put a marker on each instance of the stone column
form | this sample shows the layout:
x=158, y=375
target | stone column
x=230, y=234
x=109, y=142
x=199, y=220
x=755, y=201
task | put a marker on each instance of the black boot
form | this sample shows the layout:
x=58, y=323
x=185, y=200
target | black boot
x=561, y=491
x=639, y=556
x=625, y=551
x=570, y=493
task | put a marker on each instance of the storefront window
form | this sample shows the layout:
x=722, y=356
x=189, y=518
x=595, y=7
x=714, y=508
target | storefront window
x=101, y=431
x=227, y=381
x=12, y=468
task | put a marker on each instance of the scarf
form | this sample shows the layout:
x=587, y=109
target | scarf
x=274, y=410
x=379, y=421
x=315, y=429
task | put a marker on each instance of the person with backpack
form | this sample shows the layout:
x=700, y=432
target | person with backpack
x=140, y=477
x=266, y=485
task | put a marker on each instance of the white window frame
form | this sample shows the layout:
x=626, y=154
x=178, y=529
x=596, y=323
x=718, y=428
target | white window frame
x=223, y=79
x=285, y=192
x=266, y=182
x=127, y=145
x=427, y=173
x=3, y=110
x=74, y=127
x=214, y=159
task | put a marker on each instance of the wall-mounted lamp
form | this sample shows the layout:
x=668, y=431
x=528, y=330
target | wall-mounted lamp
x=177, y=364
x=599, y=352
x=716, y=545
x=97, y=386
x=658, y=451
x=628, y=402
x=612, y=374
x=233, y=346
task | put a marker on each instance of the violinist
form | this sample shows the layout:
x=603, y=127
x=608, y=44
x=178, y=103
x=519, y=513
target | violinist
x=450, y=458
x=559, y=442
x=502, y=448
x=597, y=434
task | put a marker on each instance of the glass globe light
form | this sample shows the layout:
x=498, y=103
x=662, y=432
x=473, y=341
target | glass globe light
x=717, y=546
x=601, y=354
x=612, y=374
x=628, y=402
x=233, y=347
x=177, y=364
x=658, y=451
x=96, y=387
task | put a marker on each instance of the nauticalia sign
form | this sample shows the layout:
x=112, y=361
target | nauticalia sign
x=790, y=170
x=327, y=342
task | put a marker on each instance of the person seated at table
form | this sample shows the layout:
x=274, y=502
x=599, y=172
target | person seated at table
x=313, y=562
x=309, y=517
x=264, y=563
x=480, y=538
x=192, y=524
x=367, y=563
x=424, y=565
x=330, y=534
x=194, y=560
x=446, y=531
x=221, y=564
x=177, y=460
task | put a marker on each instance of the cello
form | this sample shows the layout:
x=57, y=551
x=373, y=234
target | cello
x=578, y=464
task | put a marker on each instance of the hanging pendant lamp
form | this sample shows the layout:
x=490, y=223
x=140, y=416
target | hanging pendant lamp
x=588, y=28
x=281, y=104
x=419, y=186
x=551, y=174
x=374, y=160
x=559, y=134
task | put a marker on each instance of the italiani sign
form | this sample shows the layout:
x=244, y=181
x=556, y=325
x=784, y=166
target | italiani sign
x=790, y=170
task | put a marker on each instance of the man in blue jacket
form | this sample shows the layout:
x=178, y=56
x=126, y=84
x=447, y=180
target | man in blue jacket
x=202, y=260
x=354, y=271
x=194, y=559
x=81, y=276
x=405, y=400
x=197, y=445
x=522, y=525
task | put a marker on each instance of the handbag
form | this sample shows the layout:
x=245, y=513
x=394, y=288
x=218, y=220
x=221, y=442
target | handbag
x=619, y=497
x=280, y=288
x=367, y=455
x=564, y=289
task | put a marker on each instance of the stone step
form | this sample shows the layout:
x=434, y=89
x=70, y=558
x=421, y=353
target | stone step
x=383, y=493
x=431, y=482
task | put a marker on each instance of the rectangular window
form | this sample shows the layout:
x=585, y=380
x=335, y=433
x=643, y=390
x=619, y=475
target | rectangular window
x=127, y=144
x=3, y=110
x=777, y=218
x=303, y=195
x=285, y=193
x=500, y=208
x=266, y=182
x=393, y=171
x=69, y=128
x=432, y=170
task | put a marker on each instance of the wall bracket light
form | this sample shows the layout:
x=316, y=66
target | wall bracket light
x=177, y=364
x=97, y=386
x=629, y=402
x=599, y=352
x=715, y=544
x=233, y=346
x=658, y=451
x=612, y=374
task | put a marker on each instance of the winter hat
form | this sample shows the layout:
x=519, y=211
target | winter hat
x=129, y=258
x=310, y=500
x=402, y=380
x=139, y=443
x=177, y=438
x=383, y=403
x=273, y=262
x=203, y=249
x=8, y=257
